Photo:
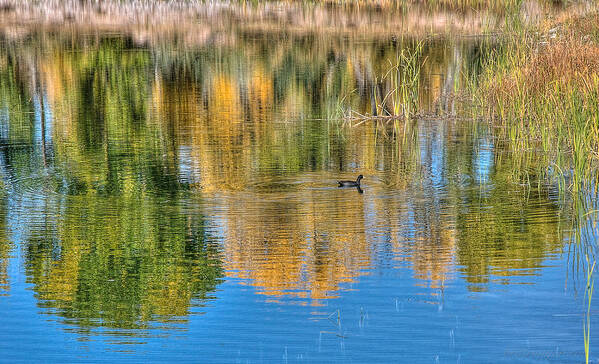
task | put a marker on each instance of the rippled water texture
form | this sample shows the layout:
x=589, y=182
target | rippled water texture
x=179, y=202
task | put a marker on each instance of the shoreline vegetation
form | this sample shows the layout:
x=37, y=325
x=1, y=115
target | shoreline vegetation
x=198, y=22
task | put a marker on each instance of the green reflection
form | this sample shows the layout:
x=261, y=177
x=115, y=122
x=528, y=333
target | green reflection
x=122, y=263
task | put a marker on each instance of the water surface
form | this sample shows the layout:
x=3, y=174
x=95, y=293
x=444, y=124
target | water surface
x=179, y=202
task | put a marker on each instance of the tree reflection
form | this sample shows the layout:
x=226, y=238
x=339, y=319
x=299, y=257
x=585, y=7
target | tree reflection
x=110, y=147
x=122, y=263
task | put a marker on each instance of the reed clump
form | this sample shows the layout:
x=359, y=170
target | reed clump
x=543, y=89
x=555, y=68
x=396, y=95
x=402, y=100
x=500, y=5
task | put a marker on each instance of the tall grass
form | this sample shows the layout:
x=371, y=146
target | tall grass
x=404, y=77
x=499, y=5
x=586, y=327
x=396, y=94
x=543, y=90
x=584, y=237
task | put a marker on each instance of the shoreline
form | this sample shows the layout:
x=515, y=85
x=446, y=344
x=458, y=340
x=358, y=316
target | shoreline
x=200, y=21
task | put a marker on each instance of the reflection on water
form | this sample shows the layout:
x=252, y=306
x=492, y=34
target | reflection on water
x=137, y=181
x=117, y=262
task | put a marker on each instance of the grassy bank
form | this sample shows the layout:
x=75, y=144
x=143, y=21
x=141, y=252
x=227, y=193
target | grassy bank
x=542, y=88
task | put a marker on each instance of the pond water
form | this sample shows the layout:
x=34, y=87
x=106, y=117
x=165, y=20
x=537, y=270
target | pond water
x=174, y=201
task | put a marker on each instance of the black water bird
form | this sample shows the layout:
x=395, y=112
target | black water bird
x=355, y=183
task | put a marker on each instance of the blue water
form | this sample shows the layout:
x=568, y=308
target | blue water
x=386, y=316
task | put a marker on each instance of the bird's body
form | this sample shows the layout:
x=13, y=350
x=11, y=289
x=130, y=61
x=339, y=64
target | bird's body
x=355, y=183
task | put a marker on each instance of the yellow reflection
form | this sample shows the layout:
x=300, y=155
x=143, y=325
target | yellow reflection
x=303, y=245
x=5, y=248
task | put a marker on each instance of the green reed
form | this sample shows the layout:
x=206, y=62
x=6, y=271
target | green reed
x=562, y=121
x=404, y=77
x=586, y=327
x=393, y=96
x=584, y=236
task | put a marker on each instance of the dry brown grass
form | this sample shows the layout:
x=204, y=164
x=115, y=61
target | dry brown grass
x=566, y=57
x=544, y=90
x=568, y=61
x=585, y=27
